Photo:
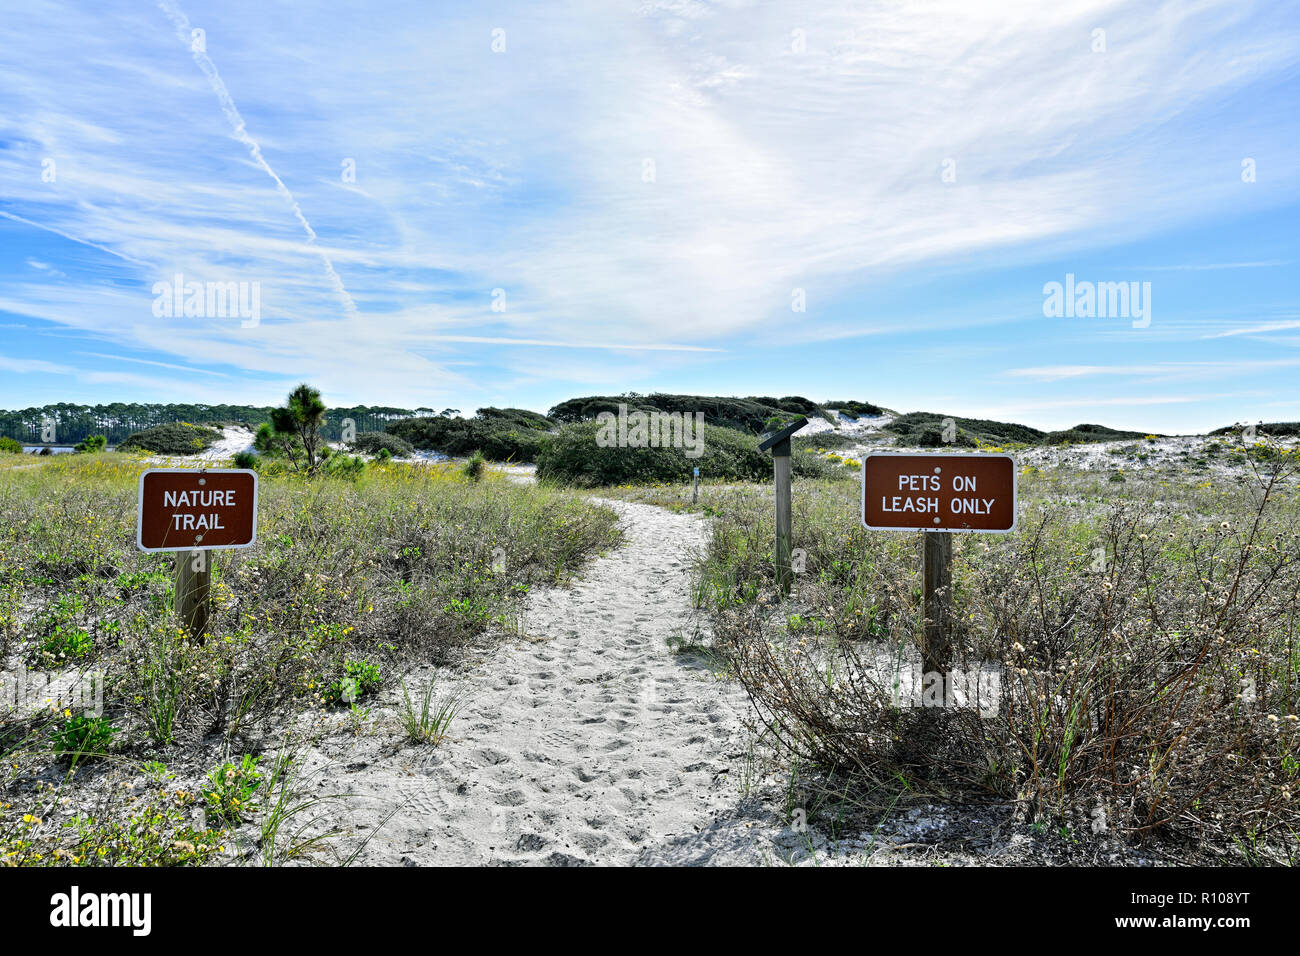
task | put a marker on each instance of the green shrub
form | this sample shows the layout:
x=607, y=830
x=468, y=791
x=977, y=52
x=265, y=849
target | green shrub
x=84, y=737
x=360, y=679
x=68, y=641
x=742, y=414
x=855, y=409
x=497, y=440
x=91, y=444
x=926, y=429
x=245, y=459
x=518, y=417
x=1090, y=433
x=574, y=458
x=372, y=443
x=231, y=789
x=807, y=464
x=174, y=438
x=10, y=446
x=344, y=466
x=824, y=441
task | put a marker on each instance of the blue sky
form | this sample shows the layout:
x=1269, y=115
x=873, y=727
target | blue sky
x=648, y=184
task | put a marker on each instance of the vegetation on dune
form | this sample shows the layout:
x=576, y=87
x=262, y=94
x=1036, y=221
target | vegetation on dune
x=1270, y=429
x=491, y=428
x=748, y=415
x=575, y=458
x=1092, y=433
x=372, y=443
x=10, y=446
x=177, y=438
x=499, y=439
x=823, y=441
x=519, y=417
x=1142, y=625
x=926, y=429
x=854, y=409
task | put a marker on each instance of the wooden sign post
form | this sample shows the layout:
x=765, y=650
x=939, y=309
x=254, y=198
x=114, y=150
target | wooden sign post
x=940, y=495
x=936, y=570
x=192, y=591
x=779, y=443
x=194, y=512
x=695, y=486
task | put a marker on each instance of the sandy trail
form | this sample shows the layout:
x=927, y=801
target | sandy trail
x=585, y=741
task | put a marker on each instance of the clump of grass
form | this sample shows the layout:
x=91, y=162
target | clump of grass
x=432, y=722
x=475, y=466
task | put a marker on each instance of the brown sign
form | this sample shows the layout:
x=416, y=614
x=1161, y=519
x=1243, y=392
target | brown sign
x=958, y=492
x=192, y=509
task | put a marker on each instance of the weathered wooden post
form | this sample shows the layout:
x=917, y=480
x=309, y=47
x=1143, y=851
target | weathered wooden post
x=779, y=443
x=937, y=565
x=193, y=590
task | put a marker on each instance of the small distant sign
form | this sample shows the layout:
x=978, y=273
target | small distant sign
x=697, y=472
x=188, y=509
x=959, y=492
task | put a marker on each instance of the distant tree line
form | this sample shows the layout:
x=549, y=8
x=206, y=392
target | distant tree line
x=75, y=423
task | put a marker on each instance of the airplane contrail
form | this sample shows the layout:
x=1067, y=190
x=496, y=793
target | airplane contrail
x=549, y=343
x=182, y=24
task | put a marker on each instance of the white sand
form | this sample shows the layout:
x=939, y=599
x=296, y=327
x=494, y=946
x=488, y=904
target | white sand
x=234, y=439
x=586, y=741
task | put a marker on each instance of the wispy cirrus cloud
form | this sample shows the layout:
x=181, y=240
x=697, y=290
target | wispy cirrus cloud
x=1161, y=371
x=1262, y=329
